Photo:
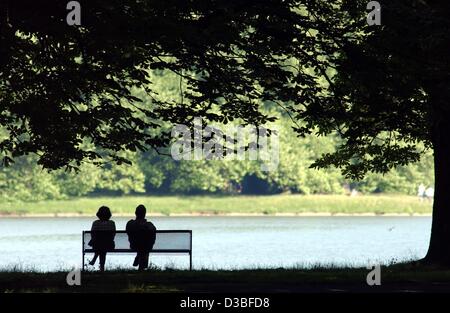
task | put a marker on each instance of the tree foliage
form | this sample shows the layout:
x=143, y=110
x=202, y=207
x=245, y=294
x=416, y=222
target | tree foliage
x=63, y=86
x=389, y=89
x=66, y=93
x=151, y=173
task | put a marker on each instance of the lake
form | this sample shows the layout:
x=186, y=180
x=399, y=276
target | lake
x=47, y=244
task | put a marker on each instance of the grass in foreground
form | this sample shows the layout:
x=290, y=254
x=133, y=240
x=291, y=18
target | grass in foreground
x=397, y=278
x=276, y=204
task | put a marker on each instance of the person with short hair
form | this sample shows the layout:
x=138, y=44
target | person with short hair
x=142, y=236
x=103, y=232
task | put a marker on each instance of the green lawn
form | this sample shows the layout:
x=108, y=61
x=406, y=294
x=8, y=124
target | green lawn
x=277, y=204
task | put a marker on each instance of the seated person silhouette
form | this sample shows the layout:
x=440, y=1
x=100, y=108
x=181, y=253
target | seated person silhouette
x=141, y=235
x=103, y=232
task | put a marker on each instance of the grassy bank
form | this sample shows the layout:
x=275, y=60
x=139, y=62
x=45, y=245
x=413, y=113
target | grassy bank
x=277, y=204
x=398, y=278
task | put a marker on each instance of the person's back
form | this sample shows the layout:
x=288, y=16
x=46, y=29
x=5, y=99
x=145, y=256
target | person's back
x=102, y=234
x=142, y=236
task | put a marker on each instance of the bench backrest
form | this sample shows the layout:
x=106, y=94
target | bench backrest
x=167, y=241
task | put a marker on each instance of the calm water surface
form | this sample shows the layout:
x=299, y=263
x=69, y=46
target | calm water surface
x=229, y=242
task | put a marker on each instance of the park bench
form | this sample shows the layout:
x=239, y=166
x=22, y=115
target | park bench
x=167, y=242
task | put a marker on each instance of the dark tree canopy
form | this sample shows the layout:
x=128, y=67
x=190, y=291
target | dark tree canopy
x=391, y=87
x=66, y=89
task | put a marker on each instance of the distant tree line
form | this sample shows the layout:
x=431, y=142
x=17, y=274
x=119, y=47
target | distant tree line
x=152, y=173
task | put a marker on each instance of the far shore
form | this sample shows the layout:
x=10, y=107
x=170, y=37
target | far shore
x=233, y=205
x=230, y=214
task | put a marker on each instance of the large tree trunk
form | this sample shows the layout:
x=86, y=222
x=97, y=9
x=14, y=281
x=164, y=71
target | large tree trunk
x=439, y=249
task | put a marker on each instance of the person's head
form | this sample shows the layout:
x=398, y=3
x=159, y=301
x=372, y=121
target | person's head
x=140, y=211
x=104, y=213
